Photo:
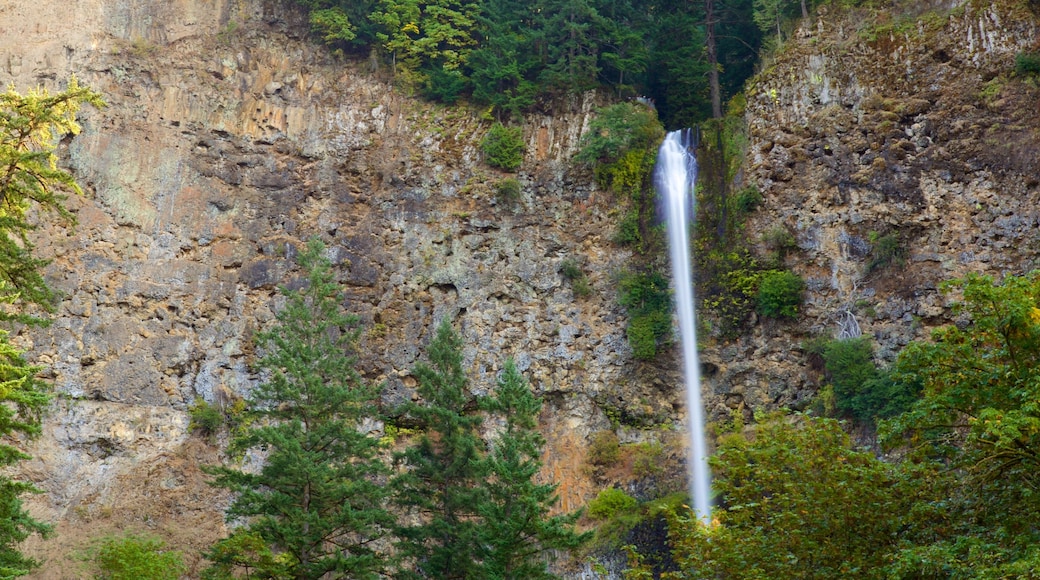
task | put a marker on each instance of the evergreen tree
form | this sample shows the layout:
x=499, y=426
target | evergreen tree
x=444, y=470
x=503, y=66
x=316, y=500
x=517, y=528
x=570, y=36
x=30, y=180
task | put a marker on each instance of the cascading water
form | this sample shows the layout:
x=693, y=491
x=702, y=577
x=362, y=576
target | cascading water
x=675, y=175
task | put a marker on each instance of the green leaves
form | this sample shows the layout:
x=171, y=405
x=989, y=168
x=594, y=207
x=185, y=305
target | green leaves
x=132, y=557
x=31, y=183
x=796, y=501
x=317, y=499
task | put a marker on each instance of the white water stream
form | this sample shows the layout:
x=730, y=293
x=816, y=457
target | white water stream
x=676, y=173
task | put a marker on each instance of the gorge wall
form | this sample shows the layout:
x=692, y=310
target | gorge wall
x=230, y=139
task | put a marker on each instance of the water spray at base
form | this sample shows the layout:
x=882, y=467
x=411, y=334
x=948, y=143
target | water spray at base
x=675, y=176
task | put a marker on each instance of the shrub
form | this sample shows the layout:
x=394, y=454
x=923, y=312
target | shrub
x=648, y=301
x=1027, y=63
x=206, y=419
x=507, y=191
x=858, y=388
x=628, y=230
x=747, y=200
x=604, y=449
x=610, y=503
x=134, y=557
x=886, y=250
x=780, y=294
x=618, y=129
x=647, y=459
x=503, y=147
x=570, y=270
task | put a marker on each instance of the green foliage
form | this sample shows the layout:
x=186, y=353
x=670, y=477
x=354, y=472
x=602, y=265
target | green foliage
x=979, y=412
x=133, y=557
x=571, y=270
x=443, y=85
x=444, y=468
x=747, y=200
x=610, y=502
x=780, y=294
x=31, y=185
x=507, y=191
x=332, y=25
x=859, y=388
x=647, y=300
x=617, y=130
x=1027, y=63
x=248, y=553
x=604, y=449
x=518, y=532
x=796, y=501
x=503, y=147
x=886, y=250
x=483, y=515
x=316, y=500
x=206, y=419
x=729, y=283
x=628, y=233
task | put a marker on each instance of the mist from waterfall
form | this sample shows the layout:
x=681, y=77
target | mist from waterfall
x=676, y=173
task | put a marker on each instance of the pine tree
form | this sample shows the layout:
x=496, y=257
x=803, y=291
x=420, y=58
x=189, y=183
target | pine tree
x=30, y=180
x=444, y=470
x=516, y=527
x=316, y=500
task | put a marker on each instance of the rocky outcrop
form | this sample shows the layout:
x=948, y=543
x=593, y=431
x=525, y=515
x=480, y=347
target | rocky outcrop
x=228, y=141
x=912, y=128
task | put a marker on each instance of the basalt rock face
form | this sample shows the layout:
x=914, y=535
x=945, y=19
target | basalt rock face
x=898, y=153
x=228, y=141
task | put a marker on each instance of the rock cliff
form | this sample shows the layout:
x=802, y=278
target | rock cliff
x=229, y=140
x=908, y=128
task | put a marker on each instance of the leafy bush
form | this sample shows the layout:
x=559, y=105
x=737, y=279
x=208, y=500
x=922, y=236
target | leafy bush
x=617, y=130
x=780, y=294
x=507, y=191
x=206, y=419
x=134, y=557
x=611, y=502
x=570, y=270
x=604, y=449
x=798, y=501
x=857, y=387
x=886, y=250
x=1027, y=63
x=747, y=200
x=628, y=230
x=503, y=147
x=648, y=301
x=647, y=459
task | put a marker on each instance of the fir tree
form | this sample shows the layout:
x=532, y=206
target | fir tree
x=517, y=530
x=316, y=500
x=30, y=180
x=444, y=470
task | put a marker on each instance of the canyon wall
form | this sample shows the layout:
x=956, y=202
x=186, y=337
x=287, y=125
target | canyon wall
x=229, y=140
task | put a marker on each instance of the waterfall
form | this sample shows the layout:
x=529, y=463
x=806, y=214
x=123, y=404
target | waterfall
x=676, y=173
